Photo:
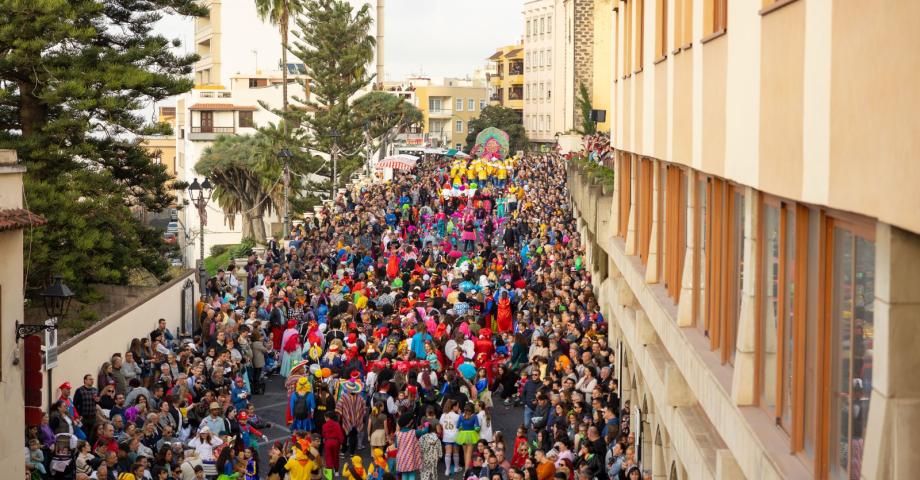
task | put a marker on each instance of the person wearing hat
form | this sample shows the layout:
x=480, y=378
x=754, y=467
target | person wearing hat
x=213, y=422
x=301, y=405
x=204, y=444
x=352, y=409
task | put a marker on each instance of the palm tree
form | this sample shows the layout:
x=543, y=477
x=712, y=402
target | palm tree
x=279, y=13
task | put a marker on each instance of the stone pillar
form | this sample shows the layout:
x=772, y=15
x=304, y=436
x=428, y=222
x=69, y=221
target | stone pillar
x=745, y=359
x=652, y=273
x=615, y=200
x=892, y=435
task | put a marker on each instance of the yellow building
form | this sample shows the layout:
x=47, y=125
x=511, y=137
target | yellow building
x=508, y=83
x=163, y=147
x=448, y=108
x=602, y=57
x=758, y=255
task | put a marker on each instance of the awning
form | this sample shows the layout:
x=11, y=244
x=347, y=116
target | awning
x=513, y=52
x=224, y=107
x=496, y=55
x=395, y=164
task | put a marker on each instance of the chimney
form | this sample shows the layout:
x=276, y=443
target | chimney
x=380, y=49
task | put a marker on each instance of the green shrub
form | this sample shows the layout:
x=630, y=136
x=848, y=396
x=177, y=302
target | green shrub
x=217, y=250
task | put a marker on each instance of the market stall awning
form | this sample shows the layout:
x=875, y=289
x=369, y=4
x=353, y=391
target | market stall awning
x=395, y=164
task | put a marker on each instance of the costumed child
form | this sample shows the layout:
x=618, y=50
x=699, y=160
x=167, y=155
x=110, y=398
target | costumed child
x=468, y=433
x=430, y=445
x=408, y=450
x=304, y=462
x=252, y=464
x=378, y=466
x=333, y=437
x=290, y=348
x=355, y=469
x=301, y=405
x=249, y=433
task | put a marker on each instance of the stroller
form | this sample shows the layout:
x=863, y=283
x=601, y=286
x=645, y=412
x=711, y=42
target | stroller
x=63, y=454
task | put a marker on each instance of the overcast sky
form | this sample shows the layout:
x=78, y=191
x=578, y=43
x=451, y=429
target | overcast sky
x=431, y=37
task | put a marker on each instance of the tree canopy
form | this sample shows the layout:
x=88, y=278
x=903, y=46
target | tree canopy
x=384, y=115
x=502, y=118
x=73, y=76
x=588, y=126
x=334, y=44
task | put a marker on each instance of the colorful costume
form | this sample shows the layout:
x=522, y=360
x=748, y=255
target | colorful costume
x=302, y=465
x=249, y=433
x=431, y=453
x=378, y=466
x=355, y=469
x=301, y=405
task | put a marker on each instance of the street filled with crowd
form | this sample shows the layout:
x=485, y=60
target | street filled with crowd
x=402, y=317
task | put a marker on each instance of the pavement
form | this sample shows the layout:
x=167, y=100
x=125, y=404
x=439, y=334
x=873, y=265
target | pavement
x=272, y=404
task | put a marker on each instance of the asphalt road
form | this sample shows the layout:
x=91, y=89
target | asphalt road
x=271, y=408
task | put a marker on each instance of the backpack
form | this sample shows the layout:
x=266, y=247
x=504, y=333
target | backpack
x=300, y=407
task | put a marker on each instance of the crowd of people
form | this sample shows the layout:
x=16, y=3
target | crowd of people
x=403, y=319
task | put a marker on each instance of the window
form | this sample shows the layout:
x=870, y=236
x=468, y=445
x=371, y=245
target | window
x=246, y=119
x=627, y=39
x=781, y=313
x=674, y=228
x=434, y=104
x=482, y=104
x=715, y=16
x=661, y=43
x=644, y=187
x=542, y=26
x=549, y=125
x=624, y=179
x=459, y=105
x=549, y=24
x=724, y=217
x=528, y=28
x=471, y=105
x=549, y=91
x=527, y=91
x=549, y=58
x=850, y=264
x=459, y=126
x=541, y=91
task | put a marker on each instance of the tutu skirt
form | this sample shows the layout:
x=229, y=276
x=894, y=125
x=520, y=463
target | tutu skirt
x=466, y=235
x=467, y=437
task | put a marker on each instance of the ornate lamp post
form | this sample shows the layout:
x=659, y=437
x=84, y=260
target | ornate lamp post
x=200, y=194
x=285, y=156
x=57, y=302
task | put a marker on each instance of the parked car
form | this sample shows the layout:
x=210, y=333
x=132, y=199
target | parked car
x=170, y=237
x=172, y=227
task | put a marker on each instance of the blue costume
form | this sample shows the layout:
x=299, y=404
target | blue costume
x=304, y=424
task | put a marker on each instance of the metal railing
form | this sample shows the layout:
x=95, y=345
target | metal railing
x=206, y=129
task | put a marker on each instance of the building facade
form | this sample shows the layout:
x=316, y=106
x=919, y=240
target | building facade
x=508, y=81
x=759, y=250
x=233, y=40
x=448, y=105
x=20, y=367
x=539, y=112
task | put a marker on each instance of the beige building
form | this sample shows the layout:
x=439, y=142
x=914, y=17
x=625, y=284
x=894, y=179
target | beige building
x=759, y=251
x=13, y=220
x=448, y=105
x=163, y=147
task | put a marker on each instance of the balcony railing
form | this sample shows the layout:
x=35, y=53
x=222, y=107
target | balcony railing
x=496, y=97
x=515, y=95
x=207, y=129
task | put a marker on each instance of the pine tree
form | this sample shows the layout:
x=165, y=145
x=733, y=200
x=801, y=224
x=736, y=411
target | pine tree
x=502, y=118
x=73, y=75
x=334, y=44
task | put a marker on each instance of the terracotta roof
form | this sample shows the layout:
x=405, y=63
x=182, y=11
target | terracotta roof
x=496, y=55
x=221, y=106
x=19, y=218
x=513, y=52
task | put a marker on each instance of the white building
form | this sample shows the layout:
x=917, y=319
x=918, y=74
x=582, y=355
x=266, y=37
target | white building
x=233, y=40
x=540, y=117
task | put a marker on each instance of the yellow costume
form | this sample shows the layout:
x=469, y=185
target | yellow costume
x=378, y=466
x=303, y=466
x=355, y=470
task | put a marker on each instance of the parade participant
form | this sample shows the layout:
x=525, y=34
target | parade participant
x=301, y=406
x=249, y=433
x=333, y=438
x=354, y=470
x=378, y=467
x=468, y=433
x=430, y=446
x=408, y=450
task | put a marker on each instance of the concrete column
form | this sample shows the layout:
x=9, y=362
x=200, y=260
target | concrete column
x=745, y=359
x=615, y=200
x=894, y=408
x=685, y=305
x=652, y=273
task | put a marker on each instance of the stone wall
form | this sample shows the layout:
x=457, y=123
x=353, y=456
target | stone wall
x=87, y=351
x=584, y=51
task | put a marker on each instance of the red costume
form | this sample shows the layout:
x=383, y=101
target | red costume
x=504, y=315
x=333, y=437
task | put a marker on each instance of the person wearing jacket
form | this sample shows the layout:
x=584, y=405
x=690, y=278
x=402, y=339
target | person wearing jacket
x=259, y=351
x=529, y=394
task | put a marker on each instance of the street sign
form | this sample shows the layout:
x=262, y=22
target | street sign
x=51, y=346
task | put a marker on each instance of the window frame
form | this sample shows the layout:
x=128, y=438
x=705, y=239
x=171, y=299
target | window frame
x=800, y=218
x=248, y=114
x=458, y=126
x=625, y=192
x=645, y=185
x=458, y=104
x=675, y=230
x=471, y=105
x=859, y=227
x=661, y=46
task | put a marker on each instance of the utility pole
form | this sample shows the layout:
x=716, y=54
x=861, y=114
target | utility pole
x=285, y=156
x=335, y=135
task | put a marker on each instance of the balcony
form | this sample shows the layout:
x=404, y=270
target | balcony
x=440, y=113
x=496, y=97
x=209, y=133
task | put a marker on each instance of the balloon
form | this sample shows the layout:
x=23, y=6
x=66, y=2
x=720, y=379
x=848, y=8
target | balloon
x=467, y=370
x=314, y=368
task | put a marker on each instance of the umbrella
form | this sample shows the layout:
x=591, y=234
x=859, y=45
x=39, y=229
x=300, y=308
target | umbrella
x=452, y=152
x=395, y=164
x=462, y=155
x=405, y=156
x=467, y=370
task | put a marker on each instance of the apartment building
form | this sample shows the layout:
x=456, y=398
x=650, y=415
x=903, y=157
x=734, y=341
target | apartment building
x=760, y=249
x=233, y=40
x=508, y=81
x=539, y=105
x=448, y=105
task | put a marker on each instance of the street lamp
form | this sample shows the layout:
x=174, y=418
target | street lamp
x=200, y=195
x=335, y=135
x=285, y=156
x=57, y=302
